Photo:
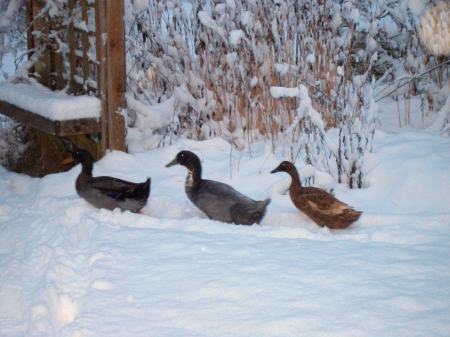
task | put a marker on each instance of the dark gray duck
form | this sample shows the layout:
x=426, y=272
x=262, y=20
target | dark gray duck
x=217, y=200
x=108, y=192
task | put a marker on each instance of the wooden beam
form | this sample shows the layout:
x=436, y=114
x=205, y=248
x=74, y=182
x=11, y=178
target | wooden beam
x=30, y=38
x=111, y=25
x=100, y=30
x=42, y=67
x=73, y=85
x=115, y=67
x=68, y=127
x=85, y=44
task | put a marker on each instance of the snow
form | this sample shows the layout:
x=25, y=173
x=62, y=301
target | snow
x=53, y=105
x=207, y=21
x=140, y=5
x=372, y=43
x=151, y=116
x=442, y=116
x=354, y=15
x=311, y=58
x=231, y=58
x=279, y=92
x=71, y=270
x=236, y=36
x=247, y=19
x=284, y=68
x=230, y=4
x=8, y=67
x=7, y=15
x=416, y=6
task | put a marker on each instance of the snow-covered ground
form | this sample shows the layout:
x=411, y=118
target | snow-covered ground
x=68, y=269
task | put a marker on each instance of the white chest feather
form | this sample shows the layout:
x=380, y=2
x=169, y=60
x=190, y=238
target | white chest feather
x=190, y=179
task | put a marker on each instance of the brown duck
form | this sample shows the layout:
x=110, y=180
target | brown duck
x=322, y=207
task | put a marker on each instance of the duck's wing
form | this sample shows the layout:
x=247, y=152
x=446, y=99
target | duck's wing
x=249, y=213
x=120, y=189
x=216, y=199
x=323, y=202
x=224, y=191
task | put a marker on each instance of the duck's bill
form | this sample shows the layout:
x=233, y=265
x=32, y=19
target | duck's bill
x=68, y=160
x=173, y=162
x=274, y=170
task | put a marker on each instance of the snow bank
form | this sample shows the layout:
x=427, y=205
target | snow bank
x=50, y=104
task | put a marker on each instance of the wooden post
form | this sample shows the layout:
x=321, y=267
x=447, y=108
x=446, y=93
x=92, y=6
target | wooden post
x=30, y=39
x=72, y=48
x=42, y=67
x=85, y=44
x=111, y=78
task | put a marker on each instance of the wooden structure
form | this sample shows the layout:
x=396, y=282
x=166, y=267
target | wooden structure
x=82, y=51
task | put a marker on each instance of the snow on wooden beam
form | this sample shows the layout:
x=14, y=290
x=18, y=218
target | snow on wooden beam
x=67, y=127
x=50, y=111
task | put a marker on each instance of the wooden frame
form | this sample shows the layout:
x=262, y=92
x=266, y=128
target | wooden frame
x=110, y=70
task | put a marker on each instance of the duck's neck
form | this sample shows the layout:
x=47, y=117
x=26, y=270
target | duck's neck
x=87, y=168
x=194, y=172
x=295, y=179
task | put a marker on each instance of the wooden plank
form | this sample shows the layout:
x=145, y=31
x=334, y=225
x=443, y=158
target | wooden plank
x=100, y=30
x=85, y=43
x=59, y=128
x=56, y=59
x=77, y=126
x=43, y=66
x=30, y=38
x=26, y=117
x=73, y=85
x=115, y=49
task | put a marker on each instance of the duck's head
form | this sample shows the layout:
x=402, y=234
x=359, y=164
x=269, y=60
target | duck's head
x=75, y=154
x=288, y=167
x=187, y=159
x=285, y=166
x=82, y=156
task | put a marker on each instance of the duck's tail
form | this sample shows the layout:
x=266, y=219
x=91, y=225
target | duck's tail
x=354, y=215
x=142, y=190
x=345, y=219
x=261, y=210
x=146, y=187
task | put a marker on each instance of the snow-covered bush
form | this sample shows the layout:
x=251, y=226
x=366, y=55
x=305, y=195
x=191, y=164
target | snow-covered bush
x=12, y=28
x=356, y=128
x=214, y=63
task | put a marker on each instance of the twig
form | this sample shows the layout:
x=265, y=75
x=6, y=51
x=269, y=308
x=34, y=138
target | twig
x=413, y=78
